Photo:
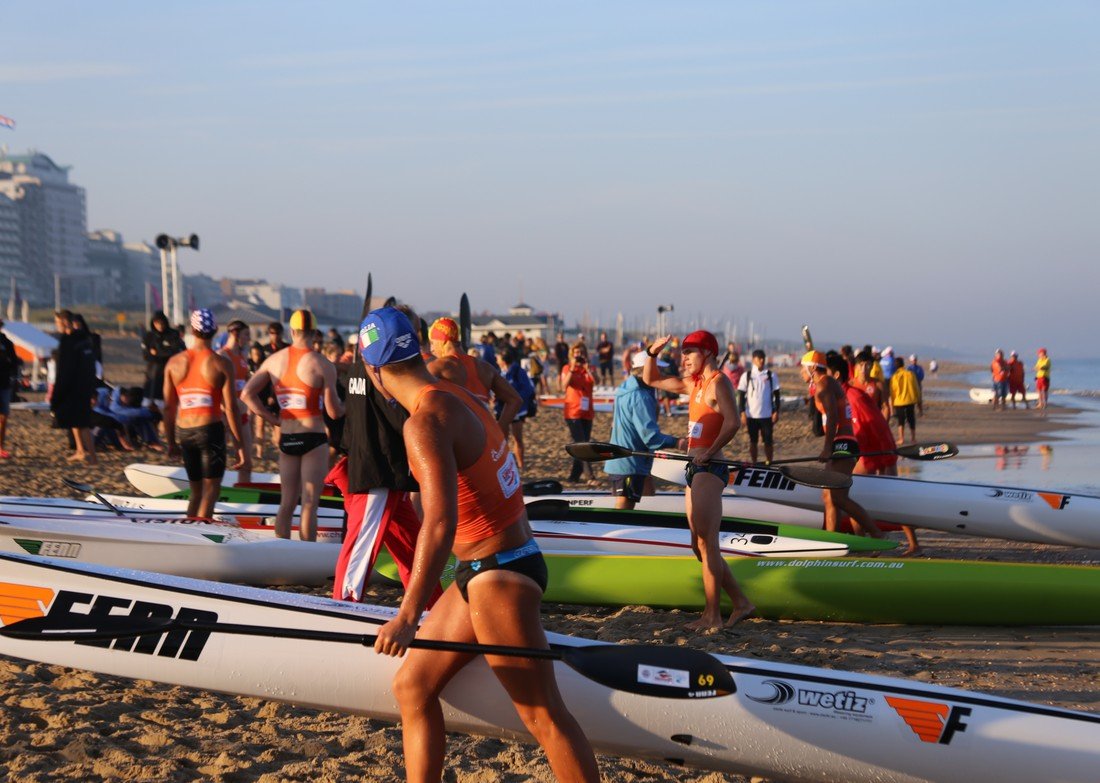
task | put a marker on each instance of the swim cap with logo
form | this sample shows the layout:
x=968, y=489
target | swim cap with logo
x=444, y=329
x=302, y=321
x=202, y=321
x=387, y=337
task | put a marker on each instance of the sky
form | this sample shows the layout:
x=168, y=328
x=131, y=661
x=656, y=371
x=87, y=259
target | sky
x=903, y=172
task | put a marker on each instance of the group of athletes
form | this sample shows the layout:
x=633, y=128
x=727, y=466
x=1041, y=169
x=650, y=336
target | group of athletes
x=428, y=472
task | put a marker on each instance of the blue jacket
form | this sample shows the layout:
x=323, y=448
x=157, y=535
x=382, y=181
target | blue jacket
x=521, y=382
x=634, y=426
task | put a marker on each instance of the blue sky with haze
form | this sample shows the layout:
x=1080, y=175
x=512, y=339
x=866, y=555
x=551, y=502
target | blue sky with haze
x=888, y=172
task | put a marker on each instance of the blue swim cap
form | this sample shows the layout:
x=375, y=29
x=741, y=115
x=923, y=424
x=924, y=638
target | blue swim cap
x=387, y=337
x=202, y=321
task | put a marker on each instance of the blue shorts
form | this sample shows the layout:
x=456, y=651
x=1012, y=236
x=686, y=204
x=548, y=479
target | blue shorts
x=719, y=469
x=1000, y=389
x=525, y=559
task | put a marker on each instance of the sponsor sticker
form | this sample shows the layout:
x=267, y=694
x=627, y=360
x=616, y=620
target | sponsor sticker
x=1017, y=495
x=508, y=476
x=841, y=703
x=933, y=722
x=50, y=548
x=658, y=675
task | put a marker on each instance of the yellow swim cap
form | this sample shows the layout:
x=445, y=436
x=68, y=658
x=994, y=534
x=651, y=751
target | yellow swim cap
x=814, y=359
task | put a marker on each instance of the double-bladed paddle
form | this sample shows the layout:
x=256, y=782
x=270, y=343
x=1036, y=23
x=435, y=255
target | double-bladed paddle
x=923, y=452
x=651, y=670
x=596, y=451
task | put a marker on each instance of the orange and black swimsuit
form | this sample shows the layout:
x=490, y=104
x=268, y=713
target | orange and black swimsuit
x=490, y=498
x=197, y=396
x=704, y=422
x=297, y=399
x=845, y=445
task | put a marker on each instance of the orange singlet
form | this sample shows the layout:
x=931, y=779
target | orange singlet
x=297, y=399
x=844, y=426
x=197, y=396
x=489, y=496
x=704, y=422
x=473, y=380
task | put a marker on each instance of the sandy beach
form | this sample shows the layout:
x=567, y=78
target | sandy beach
x=61, y=724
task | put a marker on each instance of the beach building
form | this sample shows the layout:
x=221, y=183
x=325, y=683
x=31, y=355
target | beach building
x=52, y=221
x=339, y=307
x=275, y=296
x=121, y=271
x=520, y=318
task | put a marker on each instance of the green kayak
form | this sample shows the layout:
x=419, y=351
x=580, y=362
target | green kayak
x=857, y=590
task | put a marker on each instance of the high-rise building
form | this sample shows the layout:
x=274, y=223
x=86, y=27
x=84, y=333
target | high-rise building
x=119, y=271
x=11, y=256
x=52, y=219
x=337, y=306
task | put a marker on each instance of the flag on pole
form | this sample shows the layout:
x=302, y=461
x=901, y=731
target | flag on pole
x=7, y=122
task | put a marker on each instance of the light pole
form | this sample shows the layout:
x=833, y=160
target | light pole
x=661, y=310
x=169, y=244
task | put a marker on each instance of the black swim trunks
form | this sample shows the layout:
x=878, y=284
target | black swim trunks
x=203, y=450
x=629, y=487
x=525, y=559
x=719, y=469
x=845, y=447
x=298, y=444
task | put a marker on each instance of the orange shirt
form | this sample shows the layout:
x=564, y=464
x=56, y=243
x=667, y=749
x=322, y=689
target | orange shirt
x=199, y=397
x=704, y=422
x=297, y=399
x=578, y=396
x=489, y=492
x=999, y=369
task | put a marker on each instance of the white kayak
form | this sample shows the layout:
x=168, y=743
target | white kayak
x=205, y=550
x=257, y=517
x=673, y=502
x=985, y=396
x=782, y=722
x=157, y=480
x=1012, y=513
x=585, y=538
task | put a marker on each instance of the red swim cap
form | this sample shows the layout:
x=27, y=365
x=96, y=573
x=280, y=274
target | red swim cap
x=703, y=341
x=444, y=329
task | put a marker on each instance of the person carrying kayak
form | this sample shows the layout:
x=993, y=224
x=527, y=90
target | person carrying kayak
x=303, y=380
x=841, y=449
x=198, y=385
x=472, y=498
x=713, y=421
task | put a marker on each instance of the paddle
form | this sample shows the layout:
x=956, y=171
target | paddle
x=88, y=489
x=651, y=670
x=812, y=477
x=923, y=452
x=464, y=323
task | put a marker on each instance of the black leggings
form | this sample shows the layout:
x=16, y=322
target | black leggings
x=580, y=430
x=203, y=450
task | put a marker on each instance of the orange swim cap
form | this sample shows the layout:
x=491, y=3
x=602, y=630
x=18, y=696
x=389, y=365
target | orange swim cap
x=444, y=329
x=814, y=359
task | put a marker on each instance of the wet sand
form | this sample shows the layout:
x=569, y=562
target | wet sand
x=62, y=724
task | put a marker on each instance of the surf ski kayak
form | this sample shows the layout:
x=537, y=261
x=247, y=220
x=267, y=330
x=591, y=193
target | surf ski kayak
x=852, y=590
x=156, y=480
x=767, y=538
x=256, y=517
x=985, y=396
x=186, y=547
x=782, y=722
x=1013, y=513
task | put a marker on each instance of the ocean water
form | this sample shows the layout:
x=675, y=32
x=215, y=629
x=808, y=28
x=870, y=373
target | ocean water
x=1069, y=461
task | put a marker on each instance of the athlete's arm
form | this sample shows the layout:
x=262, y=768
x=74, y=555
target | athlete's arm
x=171, y=404
x=652, y=376
x=832, y=420
x=727, y=406
x=251, y=391
x=430, y=447
x=333, y=406
x=507, y=396
x=229, y=395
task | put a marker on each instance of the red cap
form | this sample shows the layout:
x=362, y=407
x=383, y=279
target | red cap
x=444, y=329
x=702, y=340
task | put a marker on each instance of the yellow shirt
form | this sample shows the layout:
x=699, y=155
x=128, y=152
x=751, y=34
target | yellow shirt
x=903, y=388
x=1042, y=367
x=876, y=372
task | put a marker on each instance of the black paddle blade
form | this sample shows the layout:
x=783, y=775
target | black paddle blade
x=72, y=628
x=390, y=301
x=596, y=451
x=366, y=297
x=816, y=477
x=928, y=452
x=550, y=508
x=653, y=670
x=464, y=323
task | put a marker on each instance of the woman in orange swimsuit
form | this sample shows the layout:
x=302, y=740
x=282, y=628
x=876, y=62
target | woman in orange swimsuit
x=713, y=421
x=473, y=505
